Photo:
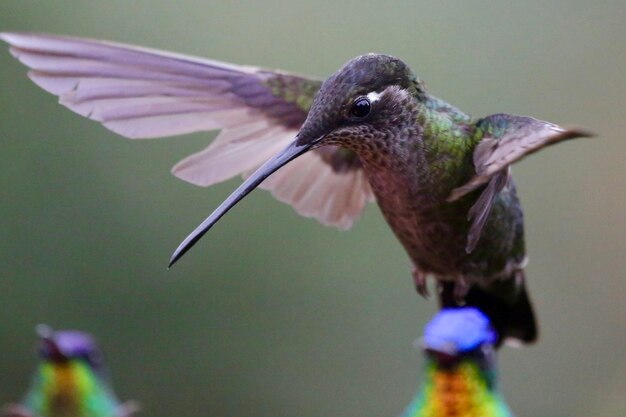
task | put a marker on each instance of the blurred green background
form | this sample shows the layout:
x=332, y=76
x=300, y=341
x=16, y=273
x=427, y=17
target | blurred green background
x=274, y=314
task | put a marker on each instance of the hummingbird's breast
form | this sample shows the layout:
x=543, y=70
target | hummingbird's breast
x=412, y=167
x=434, y=232
x=70, y=389
x=428, y=235
x=406, y=196
x=60, y=389
x=461, y=391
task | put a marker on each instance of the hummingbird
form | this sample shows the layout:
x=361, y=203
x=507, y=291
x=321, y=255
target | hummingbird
x=70, y=380
x=371, y=132
x=459, y=377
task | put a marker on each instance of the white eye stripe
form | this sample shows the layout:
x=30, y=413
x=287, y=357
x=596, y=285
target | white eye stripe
x=373, y=96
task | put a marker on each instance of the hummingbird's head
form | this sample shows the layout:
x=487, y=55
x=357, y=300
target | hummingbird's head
x=455, y=335
x=68, y=345
x=368, y=95
x=355, y=108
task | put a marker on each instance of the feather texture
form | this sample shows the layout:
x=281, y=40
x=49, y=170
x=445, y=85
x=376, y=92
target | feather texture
x=507, y=139
x=334, y=199
x=145, y=93
x=479, y=212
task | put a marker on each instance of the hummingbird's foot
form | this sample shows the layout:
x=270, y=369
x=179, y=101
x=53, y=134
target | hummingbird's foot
x=421, y=282
x=461, y=287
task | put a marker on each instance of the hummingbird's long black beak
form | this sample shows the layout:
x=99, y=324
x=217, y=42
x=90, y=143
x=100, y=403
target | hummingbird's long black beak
x=291, y=152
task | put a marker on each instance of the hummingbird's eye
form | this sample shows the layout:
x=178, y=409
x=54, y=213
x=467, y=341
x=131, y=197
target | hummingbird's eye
x=361, y=107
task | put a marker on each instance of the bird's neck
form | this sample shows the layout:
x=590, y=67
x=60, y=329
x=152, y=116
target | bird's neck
x=430, y=153
x=447, y=143
x=464, y=389
x=69, y=389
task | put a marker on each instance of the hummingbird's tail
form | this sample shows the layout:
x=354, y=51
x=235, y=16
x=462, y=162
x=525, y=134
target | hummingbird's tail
x=505, y=302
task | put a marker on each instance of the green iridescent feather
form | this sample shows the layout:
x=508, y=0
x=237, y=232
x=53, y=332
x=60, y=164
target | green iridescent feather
x=459, y=376
x=70, y=389
x=465, y=391
x=293, y=89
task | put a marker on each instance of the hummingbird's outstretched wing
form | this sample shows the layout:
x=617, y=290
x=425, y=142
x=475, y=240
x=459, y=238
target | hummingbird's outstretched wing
x=145, y=93
x=505, y=139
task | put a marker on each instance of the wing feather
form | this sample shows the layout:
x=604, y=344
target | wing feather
x=145, y=93
x=227, y=159
x=338, y=200
x=505, y=139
